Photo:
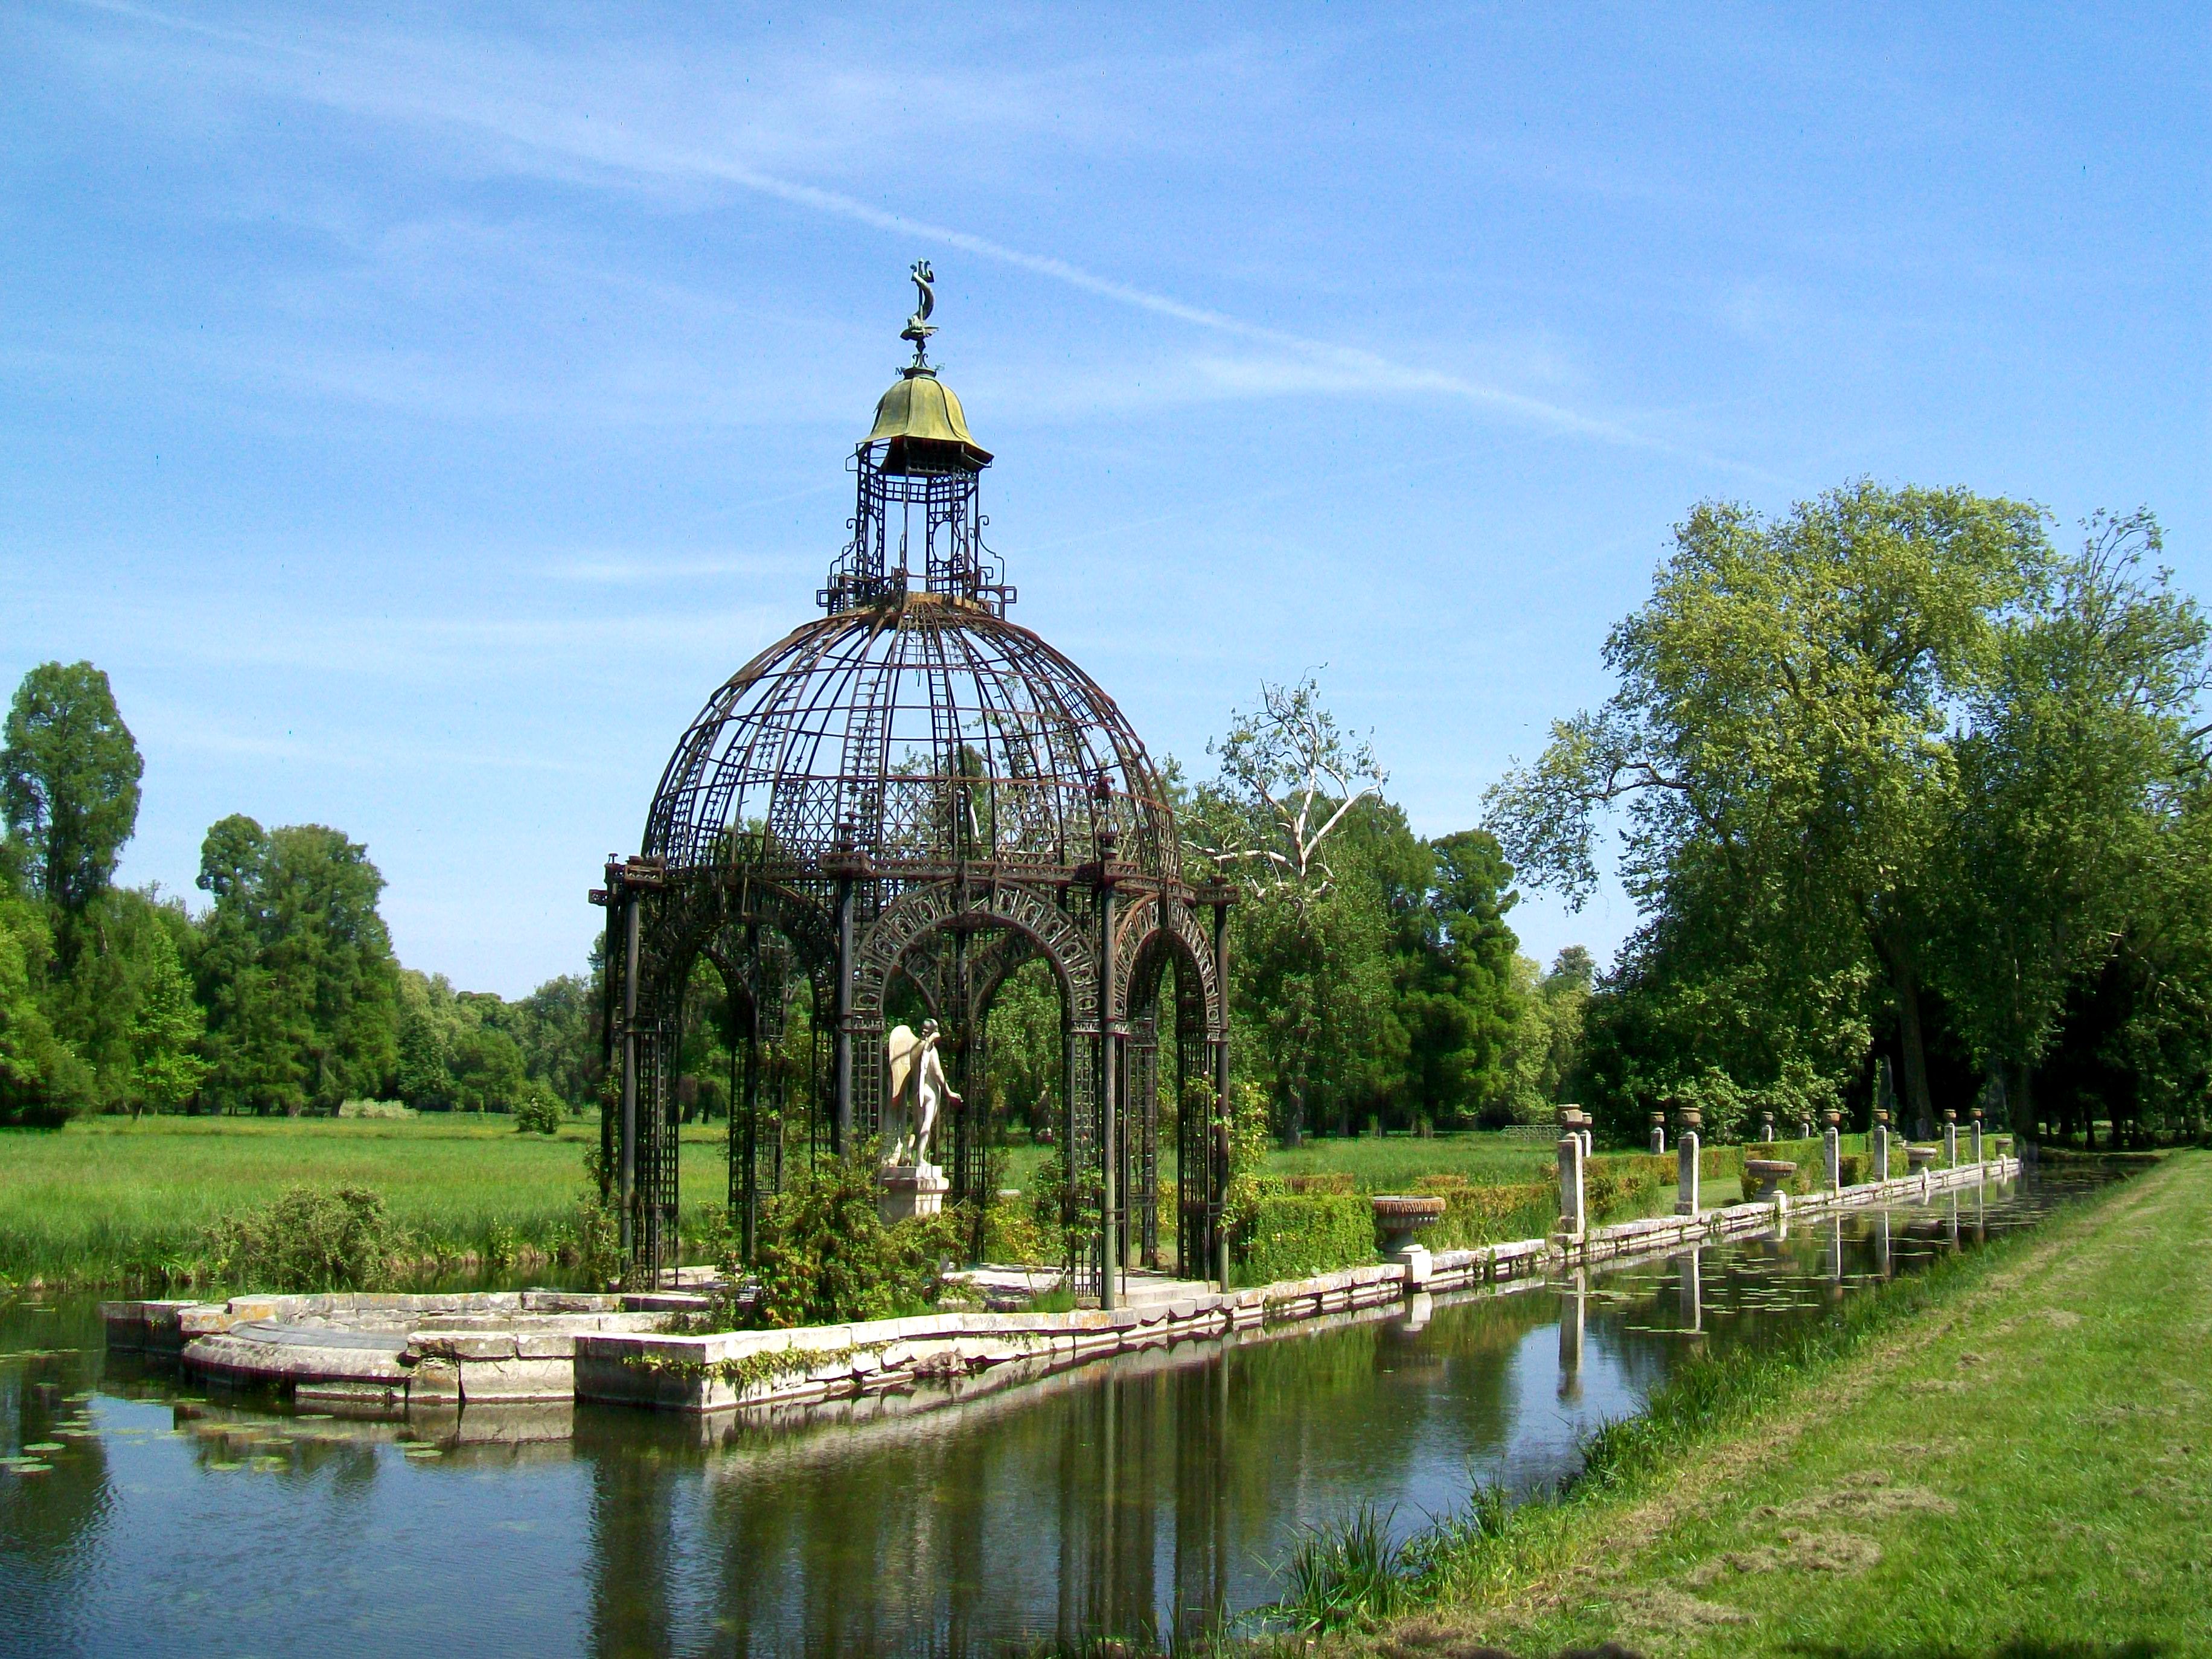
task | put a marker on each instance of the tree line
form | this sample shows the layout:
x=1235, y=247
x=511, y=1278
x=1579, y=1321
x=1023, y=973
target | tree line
x=1903, y=790
x=1376, y=982
x=280, y=995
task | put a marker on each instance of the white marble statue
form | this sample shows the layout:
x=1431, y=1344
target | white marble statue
x=919, y=1091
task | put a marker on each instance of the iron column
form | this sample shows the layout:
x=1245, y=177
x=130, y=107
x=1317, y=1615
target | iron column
x=628, y=1176
x=841, y=1128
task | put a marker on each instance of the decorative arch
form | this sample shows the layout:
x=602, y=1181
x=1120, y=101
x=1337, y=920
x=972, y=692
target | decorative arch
x=920, y=911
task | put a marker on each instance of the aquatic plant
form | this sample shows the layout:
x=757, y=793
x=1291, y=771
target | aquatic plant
x=311, y=1238
x=1349, y=1576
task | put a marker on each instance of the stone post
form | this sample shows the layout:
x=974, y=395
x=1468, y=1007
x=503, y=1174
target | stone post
x=1880, y=1144
x=1832, y=1152
x=1977, y=1135
x=1950, y=1139
x=1686, y=1161
x=1570, y=1185
x=1766, y=1126
x=1658, y=1134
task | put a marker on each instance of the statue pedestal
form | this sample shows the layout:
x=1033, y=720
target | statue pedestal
x=909, y=1190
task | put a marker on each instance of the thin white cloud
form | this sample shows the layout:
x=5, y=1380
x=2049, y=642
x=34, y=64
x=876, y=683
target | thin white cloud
x=530, y=128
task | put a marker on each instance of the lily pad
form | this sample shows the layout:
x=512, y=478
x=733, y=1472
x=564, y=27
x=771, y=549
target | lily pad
x=32, y=1468
x=43, y=1446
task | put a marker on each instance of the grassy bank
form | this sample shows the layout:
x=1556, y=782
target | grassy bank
x=105, y=1199
x=2005, y=1455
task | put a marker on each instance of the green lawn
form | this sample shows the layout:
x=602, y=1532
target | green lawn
x=107, y=1198
x=104, y=1198
x=1375, y=1165
x=2022, y=1467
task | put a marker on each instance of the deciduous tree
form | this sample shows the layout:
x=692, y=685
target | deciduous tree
x=69, y=785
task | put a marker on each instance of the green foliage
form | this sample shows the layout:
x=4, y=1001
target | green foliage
x=1248, y=1143
x=294, y=968
x=537, y=1110
x=68, y=783
x=127, y=1006
x=1779, y=745
x=107, y=1199
x=1348, y=1576
x=39, y=1076
x=594, y=1246
x=826, y=1256
x=1547, y=1043
x=1460, y=996
x=1294, y=1235
x=1028, y=1045
x=2078, y=751
x=311, y=1238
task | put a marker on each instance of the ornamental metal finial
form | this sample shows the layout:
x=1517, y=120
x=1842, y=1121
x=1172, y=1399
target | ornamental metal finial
x=918, y=327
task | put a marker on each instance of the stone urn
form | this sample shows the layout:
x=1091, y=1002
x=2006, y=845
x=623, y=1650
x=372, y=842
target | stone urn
x=1404, y=1216
x=1917, y=1159
x=1767, y=1177
x=1689, y=1120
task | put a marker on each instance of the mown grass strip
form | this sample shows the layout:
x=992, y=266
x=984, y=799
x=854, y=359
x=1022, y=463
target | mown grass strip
x=2003, y=1454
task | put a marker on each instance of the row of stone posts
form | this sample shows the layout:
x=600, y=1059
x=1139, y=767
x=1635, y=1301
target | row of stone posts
x=1574, y=1148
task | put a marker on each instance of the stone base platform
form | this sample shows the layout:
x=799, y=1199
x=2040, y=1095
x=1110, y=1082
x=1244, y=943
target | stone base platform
x=390, y=1352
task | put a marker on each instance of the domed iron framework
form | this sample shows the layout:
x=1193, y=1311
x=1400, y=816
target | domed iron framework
x=914, y=788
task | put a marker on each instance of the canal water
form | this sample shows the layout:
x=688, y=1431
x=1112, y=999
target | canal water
x=141, y=1516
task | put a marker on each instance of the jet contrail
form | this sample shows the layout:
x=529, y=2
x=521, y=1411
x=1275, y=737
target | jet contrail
x=611, y=145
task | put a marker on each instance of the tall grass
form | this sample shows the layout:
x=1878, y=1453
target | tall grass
x=1394, y=1163
x=108, y=1201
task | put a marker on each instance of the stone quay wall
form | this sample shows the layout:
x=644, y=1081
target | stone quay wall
x=391, y=1352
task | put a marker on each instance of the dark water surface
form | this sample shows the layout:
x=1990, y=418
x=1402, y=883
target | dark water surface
x=1146, y=1494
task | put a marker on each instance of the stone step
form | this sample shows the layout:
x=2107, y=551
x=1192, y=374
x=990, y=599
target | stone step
x=1145, y=1290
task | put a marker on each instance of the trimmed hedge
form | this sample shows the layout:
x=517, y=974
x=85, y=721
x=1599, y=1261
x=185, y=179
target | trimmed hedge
x=1294, y=1235
x=1316, y=1223
x=1489, y=1214
x=1328, y=1181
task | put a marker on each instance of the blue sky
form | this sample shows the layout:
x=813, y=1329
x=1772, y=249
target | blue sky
x=417, y=419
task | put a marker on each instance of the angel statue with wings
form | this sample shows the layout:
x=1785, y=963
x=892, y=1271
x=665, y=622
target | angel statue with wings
x=919, y=1091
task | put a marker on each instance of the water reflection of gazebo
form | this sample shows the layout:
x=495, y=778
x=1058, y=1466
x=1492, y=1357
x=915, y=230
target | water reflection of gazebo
x=913, y=796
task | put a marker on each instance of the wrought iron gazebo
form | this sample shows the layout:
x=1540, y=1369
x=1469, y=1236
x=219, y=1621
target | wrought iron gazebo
x=913, y=790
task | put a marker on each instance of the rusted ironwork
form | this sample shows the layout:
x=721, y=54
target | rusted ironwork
x=914, y=788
